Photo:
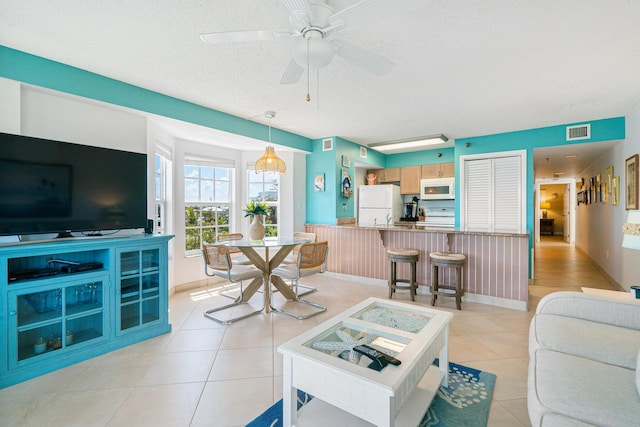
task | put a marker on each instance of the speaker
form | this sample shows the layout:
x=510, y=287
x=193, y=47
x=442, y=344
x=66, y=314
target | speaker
x=149, y=228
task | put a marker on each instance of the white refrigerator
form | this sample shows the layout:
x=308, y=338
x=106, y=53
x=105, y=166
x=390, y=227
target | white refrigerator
x=376, y=203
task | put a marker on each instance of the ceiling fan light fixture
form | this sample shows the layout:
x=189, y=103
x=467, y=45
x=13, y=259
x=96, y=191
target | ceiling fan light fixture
x=409, y=144
x=270, y=162
x=313, y=52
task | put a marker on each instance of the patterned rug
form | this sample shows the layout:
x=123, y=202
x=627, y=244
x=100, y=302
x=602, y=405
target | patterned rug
x=465, y=403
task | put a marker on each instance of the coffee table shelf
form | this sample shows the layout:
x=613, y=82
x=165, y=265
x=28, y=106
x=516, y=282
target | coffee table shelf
x=321, y=363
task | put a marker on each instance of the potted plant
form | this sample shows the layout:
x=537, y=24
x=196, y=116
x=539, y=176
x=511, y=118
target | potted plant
x=256, y=210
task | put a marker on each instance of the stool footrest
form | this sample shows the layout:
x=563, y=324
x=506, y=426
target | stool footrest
x=409, y=256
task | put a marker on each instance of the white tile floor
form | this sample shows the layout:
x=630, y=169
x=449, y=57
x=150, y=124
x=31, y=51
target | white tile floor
x=206, y=374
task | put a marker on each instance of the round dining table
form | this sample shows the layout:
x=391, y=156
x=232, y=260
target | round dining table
x=248, y=247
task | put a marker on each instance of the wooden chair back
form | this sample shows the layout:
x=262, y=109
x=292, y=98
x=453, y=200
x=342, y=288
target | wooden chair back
x=313, y=255
x=231, y=236
x=217, y=257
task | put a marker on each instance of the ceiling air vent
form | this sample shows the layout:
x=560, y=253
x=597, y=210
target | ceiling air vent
x=363, y=152
x=327, y=144
x=575, y=133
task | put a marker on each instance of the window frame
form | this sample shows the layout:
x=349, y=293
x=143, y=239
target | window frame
x=160, y=195
x=207, y=229
x=272, y=228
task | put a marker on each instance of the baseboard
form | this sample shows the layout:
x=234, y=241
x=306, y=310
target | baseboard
x=601, y=270
x=424, y=290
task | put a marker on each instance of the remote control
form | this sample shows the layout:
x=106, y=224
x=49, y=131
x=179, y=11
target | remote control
x=379, y=362
x=376, y=354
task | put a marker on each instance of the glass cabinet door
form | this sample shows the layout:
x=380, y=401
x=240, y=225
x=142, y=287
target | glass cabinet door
x=139, y=288
x=56, y=318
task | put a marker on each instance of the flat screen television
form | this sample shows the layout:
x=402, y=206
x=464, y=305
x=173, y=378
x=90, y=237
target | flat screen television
x=50, y=186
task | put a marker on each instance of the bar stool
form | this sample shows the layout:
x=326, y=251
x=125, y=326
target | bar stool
x=446, y=260
x=395, y=255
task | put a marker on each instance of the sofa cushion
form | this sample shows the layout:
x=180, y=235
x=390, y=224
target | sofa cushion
x=592, y=340
x=585, y=390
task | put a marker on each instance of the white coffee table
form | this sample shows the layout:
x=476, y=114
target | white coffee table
x=348, y=392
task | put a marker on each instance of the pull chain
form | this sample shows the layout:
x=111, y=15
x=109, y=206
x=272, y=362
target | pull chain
x=308, y=95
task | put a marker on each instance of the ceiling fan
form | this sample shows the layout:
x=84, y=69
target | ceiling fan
x=316, y=25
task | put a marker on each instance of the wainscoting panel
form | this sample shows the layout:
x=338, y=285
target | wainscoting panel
x=497, y=264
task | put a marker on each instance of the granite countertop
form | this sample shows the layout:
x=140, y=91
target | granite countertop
x=421, y=229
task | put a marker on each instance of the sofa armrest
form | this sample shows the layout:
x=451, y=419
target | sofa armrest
x=595, y=308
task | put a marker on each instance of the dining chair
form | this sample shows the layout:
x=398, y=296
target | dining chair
x=218, y=263
x=293, y=256
x=236, y=254
x=311, y=259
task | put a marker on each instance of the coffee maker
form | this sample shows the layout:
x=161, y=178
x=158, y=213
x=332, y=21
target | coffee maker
x=411, y=210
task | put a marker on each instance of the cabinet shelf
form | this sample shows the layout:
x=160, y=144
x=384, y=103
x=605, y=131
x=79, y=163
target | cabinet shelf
x=92, y=312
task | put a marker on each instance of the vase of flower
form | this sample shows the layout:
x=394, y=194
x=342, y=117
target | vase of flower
x=257, y=211
x=256, y=228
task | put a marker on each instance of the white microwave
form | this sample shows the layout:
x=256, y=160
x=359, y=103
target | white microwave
x=437, y=188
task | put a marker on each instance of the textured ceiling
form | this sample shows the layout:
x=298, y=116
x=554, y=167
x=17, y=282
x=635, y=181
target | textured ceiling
x=462, y=68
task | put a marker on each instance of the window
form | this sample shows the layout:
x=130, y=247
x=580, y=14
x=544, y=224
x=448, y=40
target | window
x=266, y=187
x=162, y=168
x=207, y=193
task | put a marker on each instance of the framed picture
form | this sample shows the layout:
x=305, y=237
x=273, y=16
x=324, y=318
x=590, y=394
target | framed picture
x=580, y=197
x=346, y=162
x=631, y=181
x=318, y=182
x=609, y=177
x=615, y=191
x=347, y=189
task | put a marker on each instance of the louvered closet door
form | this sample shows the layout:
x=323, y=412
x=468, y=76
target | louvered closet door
x=507, y=197
x=493, y=194
x=477, y=214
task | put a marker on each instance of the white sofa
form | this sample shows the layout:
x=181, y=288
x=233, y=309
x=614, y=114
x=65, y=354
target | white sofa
x=584, y=366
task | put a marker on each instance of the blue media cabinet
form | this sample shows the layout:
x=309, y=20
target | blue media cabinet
x=50, y=318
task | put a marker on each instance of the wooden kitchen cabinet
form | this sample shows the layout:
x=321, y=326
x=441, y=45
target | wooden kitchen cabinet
x=438, y=170
x=386, y=175
x=410, y=179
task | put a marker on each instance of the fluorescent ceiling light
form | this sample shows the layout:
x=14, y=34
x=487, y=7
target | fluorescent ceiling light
x=409, y=144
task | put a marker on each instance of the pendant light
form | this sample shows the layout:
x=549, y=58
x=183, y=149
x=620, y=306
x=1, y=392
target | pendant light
x=270, y=162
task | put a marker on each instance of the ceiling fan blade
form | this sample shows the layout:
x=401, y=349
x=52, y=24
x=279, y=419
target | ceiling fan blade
x=371, y=10
x=292, y=74
x=363, y=58
x=245, y=36
x=300, y=12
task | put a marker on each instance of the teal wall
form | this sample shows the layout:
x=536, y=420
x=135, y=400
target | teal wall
x=321, y=206
x=31, y=69
x=328, y=206
x=601, y=130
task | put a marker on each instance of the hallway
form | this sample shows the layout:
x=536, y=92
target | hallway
x=559, y=266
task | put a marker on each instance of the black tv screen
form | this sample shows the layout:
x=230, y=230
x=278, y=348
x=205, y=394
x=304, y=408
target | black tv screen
x=57, y=187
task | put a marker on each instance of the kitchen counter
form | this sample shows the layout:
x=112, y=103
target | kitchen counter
x=496, y=271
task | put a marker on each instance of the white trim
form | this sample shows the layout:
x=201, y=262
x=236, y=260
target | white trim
x=424, y=290
x=571, y=182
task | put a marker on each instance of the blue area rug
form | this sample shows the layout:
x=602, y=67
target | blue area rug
x=465, y=403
